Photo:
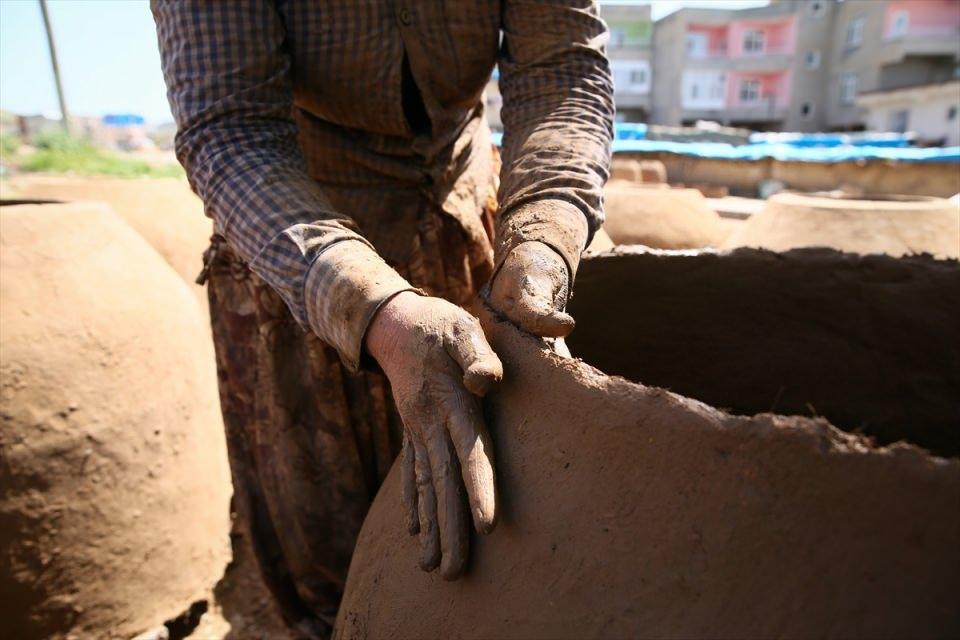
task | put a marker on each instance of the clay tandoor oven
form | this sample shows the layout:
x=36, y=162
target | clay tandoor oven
x=872, y=343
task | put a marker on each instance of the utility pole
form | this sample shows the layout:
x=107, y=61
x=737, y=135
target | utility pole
x=64, y=114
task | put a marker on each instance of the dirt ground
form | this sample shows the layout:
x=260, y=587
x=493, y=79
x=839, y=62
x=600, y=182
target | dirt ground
x=241, y=607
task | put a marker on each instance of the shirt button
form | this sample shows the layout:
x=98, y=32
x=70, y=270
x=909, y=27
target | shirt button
x=405, y=17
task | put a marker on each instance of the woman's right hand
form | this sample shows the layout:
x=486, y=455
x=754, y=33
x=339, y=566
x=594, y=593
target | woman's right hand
x=439, y=363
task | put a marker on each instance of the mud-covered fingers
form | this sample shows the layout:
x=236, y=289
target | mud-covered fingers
x=471, y=440
x=451, y=508
x=408, y=484
x=535, y=310
x=466, y=344
x=531, y=290
x=426, y=509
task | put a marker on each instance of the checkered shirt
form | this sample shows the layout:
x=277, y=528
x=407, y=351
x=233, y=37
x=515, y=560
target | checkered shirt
x=293, y=130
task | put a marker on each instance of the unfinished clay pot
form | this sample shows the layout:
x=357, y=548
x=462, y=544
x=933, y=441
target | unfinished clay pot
x=164, y=211
x=660, y=217
x=641, y=171
x=895, y=225
x=629, y=511
x=871, y=343
x=114, y=485
x=601, y=242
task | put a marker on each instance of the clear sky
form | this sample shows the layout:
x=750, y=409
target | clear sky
x=108, y=55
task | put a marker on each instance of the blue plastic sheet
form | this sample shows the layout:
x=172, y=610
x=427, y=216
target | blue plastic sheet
x=788, y=152
x=833, y=149
x=834, y=139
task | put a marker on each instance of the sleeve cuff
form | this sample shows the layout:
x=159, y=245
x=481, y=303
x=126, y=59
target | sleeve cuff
x=556, y=223
x=344, y=288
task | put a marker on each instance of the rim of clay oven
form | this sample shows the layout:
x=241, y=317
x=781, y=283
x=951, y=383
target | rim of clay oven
x=889, y=202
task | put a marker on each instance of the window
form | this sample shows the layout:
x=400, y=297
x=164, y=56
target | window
x=855, y=33
x=816, y=8
x=848, y=88
x=812, y=59
x=697, y=45
x=630, y=76
x=703, y=89
x=749, y=91
x=807, y=110
x=718, y=87
x=617, y=37
x=753, y=41
x=899, y=121
x=899, y=24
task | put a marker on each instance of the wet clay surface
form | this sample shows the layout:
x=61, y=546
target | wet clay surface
x=871, y=343
x=628, y=511
x=661, y=217
x=114, y=486
x=162, y=210
x=894, y=225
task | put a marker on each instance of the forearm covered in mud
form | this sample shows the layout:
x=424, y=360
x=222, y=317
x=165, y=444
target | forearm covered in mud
x=231, y=98
x=558, y=126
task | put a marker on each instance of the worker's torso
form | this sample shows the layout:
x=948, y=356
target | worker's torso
x=348, y=59
x=388, y=99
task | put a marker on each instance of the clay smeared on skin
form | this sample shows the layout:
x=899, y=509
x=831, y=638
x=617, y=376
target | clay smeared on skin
x=439, y=363
x=531, y=289
x=629, y=511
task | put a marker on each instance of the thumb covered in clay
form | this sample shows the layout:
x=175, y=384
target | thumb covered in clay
x=531, y=289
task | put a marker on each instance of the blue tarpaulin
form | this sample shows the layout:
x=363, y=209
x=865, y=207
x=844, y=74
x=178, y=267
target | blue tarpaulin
x=787, y=147
x=121, y=119
x=834, y=139
x=789, y=152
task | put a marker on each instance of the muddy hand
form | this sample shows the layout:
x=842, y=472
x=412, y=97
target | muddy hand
x=438, y=363
x=531, y=290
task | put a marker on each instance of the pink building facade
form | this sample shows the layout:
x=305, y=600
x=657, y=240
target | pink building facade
x=750, y=40
x=762, y=37
x=799, y=65
x=921, y=19
x=747, y=89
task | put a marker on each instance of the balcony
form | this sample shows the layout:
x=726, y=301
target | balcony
x=752, y=39
x=914, y=45
x=920, y=28
x=755, y=113
x=748, y=45
x=706, y=42
x=763, y=62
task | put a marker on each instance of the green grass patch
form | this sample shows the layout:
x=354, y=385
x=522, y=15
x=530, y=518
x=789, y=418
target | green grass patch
x=60, y=153
x=9, y=143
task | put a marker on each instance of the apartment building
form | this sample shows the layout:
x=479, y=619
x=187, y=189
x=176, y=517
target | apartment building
x=886, y=48
x=793, y=65
x=630, y=53
x=629, y=50
x=760, y=68
x=800, y=65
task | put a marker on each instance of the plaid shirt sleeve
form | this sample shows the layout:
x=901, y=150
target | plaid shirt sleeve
x=228, y=84
x=558, y=125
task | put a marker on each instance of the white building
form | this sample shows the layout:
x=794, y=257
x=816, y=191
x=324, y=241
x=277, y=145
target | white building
x=929, y=111
x=630, y=53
